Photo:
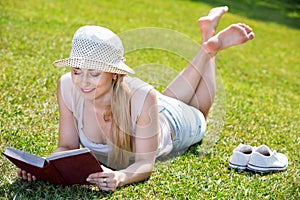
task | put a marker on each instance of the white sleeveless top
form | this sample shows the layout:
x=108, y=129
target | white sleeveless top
x=74, y=100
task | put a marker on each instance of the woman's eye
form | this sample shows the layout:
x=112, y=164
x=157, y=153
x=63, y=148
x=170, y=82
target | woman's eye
x=77, y=72
x=95, y=74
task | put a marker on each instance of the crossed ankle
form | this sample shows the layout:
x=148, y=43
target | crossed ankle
x=209, y=49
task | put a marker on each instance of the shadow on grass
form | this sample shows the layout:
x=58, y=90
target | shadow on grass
x=248, y=172
x=41, y=190
x=285, y=12
x=194, y=149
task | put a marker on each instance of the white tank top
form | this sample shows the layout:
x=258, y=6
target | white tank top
x=139, y=89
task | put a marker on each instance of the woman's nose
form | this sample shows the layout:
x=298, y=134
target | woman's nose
x=85, y=80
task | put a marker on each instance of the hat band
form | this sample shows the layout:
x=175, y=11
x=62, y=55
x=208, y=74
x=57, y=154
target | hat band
x=90, y=64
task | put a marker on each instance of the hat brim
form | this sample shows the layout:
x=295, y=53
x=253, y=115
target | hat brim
x=119, y=68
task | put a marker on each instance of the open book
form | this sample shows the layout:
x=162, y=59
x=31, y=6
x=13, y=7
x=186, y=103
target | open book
x=63, y=168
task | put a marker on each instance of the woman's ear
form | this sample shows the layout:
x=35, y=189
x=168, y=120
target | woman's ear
x=115, y=77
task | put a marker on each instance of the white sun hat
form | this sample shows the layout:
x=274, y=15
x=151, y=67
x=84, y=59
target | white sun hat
x=95, y=47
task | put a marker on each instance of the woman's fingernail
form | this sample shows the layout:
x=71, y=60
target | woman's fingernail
x=88, y=179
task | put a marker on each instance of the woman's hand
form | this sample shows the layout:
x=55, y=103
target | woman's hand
x=26, y=176
x=108, y=180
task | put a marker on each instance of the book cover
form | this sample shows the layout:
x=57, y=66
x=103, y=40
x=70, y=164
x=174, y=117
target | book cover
x=63, y=168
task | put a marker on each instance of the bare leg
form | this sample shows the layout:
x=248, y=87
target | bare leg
x=186, y=83
x=195, y=85
x=205, y=93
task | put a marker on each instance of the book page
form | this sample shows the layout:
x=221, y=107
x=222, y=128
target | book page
x=63, y=154
x=25, y=157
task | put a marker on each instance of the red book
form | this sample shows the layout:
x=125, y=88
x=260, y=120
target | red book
x=63, y=168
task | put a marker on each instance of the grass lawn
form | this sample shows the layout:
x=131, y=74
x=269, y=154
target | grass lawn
x=258, y=101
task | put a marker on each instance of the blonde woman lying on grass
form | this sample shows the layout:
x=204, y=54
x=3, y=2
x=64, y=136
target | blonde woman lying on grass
x=125, y=121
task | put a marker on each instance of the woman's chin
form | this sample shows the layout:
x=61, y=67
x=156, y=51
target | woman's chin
x=88, y=95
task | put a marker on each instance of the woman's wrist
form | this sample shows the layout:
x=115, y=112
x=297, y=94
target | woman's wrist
x=122, y=178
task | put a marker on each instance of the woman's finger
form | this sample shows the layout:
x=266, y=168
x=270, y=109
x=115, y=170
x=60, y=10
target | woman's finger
x=110, y=186
x=24, y=175
x=19, y=172
x=105, y=181
x=29, y=177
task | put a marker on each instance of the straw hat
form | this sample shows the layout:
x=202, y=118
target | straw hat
x=95, y=47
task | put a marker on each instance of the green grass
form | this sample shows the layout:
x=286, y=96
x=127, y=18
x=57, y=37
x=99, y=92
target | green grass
x=260, y=78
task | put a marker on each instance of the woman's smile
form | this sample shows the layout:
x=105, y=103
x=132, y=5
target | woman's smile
x=85, y=91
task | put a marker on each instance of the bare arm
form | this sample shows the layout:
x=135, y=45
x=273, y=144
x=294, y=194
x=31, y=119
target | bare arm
x=68, y=136
x=146, y=143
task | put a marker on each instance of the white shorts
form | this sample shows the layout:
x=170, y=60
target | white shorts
x=188, y=123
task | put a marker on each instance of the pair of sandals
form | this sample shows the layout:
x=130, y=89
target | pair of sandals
x=257, y=159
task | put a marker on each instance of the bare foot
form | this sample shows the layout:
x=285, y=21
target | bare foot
x=233, y=35
x=209, y=23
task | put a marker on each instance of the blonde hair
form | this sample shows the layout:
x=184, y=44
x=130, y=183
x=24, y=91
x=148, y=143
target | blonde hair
x=121, y=125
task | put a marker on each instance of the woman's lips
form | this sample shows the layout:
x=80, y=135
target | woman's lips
x=87, y=90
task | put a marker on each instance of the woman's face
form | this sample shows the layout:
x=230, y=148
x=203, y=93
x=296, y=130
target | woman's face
x=93, y=84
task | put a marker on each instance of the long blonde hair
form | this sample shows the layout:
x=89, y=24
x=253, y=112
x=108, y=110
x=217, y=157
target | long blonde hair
x=121, y=125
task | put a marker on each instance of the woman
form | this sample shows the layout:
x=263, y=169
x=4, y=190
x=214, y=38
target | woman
x=125, y=121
